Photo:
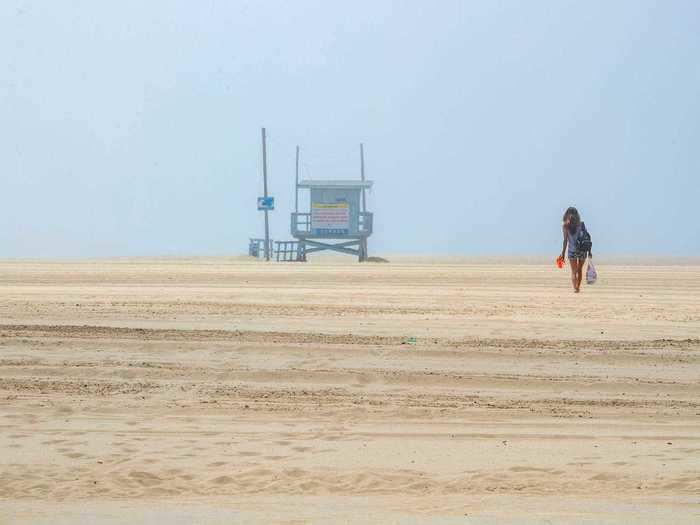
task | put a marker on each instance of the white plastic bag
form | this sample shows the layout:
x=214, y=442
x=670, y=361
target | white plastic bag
x=591, y=274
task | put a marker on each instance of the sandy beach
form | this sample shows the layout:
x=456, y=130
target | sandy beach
x=470, y=391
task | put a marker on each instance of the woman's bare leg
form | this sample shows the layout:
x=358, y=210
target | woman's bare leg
x=581, y=262
x=574, y=269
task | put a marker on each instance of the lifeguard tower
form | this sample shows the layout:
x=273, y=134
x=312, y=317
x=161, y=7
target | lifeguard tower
x=337, y=219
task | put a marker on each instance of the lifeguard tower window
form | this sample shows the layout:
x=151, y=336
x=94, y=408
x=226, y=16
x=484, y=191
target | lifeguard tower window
x=335, y=214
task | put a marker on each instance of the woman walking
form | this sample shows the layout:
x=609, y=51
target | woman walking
x=579, y=244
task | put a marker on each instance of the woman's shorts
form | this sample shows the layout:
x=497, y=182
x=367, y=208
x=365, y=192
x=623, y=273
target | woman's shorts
x=580, y=256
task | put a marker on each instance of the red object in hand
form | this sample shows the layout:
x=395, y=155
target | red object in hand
x=560, y=262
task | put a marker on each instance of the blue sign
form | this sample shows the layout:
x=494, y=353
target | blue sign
x=266, y=203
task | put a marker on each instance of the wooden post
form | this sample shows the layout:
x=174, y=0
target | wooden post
x=267, y=223
x=296, y=186
x=362, y=176
x=363, y=241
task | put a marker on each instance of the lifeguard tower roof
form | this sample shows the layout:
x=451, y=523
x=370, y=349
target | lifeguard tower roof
x=336, y=184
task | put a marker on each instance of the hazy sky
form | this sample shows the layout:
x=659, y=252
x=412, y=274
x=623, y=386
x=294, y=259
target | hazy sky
x=133, y=128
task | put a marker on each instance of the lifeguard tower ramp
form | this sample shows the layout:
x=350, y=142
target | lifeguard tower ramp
x=337, y=219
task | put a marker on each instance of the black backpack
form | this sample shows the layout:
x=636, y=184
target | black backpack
x=583, y=240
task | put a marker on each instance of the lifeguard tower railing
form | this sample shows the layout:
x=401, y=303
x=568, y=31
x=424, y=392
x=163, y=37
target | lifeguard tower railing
x=288, y=251
x=256, y=247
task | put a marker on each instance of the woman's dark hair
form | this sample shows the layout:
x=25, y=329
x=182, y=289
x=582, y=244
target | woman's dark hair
x=574, y=219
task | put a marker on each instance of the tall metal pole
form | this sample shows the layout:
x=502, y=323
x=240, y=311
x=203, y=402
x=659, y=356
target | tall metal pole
x=296, y=186
x=362, y=175
x=267, y=223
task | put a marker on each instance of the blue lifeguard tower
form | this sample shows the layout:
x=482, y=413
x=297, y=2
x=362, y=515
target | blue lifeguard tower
x=337, y=219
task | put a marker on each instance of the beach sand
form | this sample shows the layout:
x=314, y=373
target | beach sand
x=470, y=391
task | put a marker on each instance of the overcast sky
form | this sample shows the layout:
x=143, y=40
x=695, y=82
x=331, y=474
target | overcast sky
x=133, y=128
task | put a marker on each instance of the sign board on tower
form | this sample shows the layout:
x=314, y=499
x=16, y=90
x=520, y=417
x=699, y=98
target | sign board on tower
x=330, y=218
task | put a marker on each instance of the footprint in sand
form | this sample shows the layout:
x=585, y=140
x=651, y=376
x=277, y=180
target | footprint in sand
x=295, y=472
x=222, y=480
x=605, y=476
x=676, y=485
x=528, y=469
x=53, y=441
x=145, y=479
